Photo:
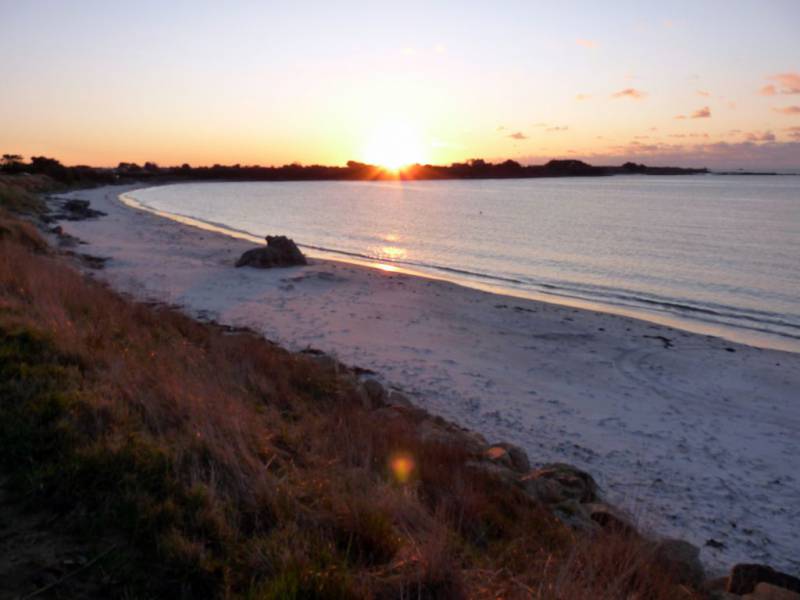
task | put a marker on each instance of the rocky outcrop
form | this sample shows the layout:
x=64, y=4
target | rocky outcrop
x=611, y=520
x=745, y=577
x=78, y=210
x=396, y=398
x=509, y=456
x=767, y=591
x=557, y=482
x=682, y=559
x=280, y=251
x=374, y=393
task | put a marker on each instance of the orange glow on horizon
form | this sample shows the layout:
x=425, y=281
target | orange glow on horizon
x=395, y=144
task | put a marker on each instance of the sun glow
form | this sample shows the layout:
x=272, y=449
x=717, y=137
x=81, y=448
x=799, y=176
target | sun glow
x=394, y=145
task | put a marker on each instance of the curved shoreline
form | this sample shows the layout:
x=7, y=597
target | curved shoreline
x=685, y=430
x=618, y=304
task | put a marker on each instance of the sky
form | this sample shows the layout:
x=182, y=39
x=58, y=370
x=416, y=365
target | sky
x=701, y=83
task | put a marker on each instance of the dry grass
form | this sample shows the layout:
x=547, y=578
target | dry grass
x=19, y=193
x=236, y=469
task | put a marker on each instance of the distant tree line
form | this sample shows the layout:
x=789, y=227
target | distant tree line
x=353, y=171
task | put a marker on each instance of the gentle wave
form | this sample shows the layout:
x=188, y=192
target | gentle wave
x=752, y=319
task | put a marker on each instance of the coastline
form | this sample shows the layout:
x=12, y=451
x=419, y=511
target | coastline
x=738, y=322
x=658, y=415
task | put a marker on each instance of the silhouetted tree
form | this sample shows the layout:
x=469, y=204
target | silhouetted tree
x=11, y=158
x=354, y=171
x=50, y=167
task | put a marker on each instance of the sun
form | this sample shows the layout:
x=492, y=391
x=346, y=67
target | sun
x=394, y=145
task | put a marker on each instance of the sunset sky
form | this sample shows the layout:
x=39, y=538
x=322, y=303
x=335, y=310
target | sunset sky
x=688, y=83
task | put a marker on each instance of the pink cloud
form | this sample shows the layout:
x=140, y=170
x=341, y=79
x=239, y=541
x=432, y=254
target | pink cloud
x=768, y=90
x=788, y=110
x=703, y=93
x=630, y=93
x=716, y=155
x=766, y=136
x=703, y=113
x=688, y=135
x=794, y=132
x=788, y=83
x=518, y=136
x=586, y=43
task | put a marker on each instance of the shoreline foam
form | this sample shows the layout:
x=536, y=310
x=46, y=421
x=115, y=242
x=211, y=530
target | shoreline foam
x=693, y=434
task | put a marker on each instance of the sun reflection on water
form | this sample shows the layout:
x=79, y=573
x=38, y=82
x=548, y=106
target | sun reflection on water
x=393, y=252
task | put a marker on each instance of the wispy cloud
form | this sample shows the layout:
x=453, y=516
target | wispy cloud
x=701, y=113
x=557, y=128
x=764, y=136
x=793, y=132
x=768, y=90
x=587, y=43
x=723, y=155
x=630, y=93
x=788, y=110
x=703, y=93
x=704, y=136
x=500, y=128
x=582, y=96
x=518, y=136
x=787, y=83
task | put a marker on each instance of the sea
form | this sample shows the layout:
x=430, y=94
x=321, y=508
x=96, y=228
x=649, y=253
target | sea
x=714, y=254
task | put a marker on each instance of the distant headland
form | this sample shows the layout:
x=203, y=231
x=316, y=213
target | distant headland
x=353, y=171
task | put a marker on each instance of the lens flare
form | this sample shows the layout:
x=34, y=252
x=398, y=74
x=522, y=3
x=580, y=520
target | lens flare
x=402, y=467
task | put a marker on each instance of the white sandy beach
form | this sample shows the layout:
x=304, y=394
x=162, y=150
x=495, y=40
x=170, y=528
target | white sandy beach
x=695, y=435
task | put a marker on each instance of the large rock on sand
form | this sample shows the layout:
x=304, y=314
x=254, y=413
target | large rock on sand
x=280, y=251
x=78, y=210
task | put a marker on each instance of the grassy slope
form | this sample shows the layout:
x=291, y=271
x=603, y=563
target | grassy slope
x=224, y=466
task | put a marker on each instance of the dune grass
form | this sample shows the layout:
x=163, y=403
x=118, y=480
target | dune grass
x=226, y=467
x=20, y=193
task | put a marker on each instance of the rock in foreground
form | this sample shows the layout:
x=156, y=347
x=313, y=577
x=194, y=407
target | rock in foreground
x=745, y=577
x=280, y=251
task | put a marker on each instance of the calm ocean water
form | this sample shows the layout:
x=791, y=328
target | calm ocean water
x=717, y=254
